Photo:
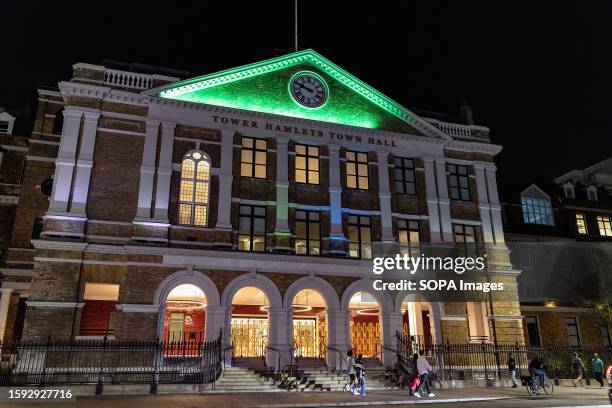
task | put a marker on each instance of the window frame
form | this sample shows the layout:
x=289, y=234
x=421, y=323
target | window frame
x=307, y=221
x=253, y=163
x=359, y=242
x=410, y=245
x=581, y=229
x=537, y=325
x=463, y=234
x=193, y=203
x=532, y=211
x=252, y=217
x=577, y=335
x=457, y=176
x=604, y=225
x=357, y=175
x=308, y=171
x=606, y=336
x=403, y=182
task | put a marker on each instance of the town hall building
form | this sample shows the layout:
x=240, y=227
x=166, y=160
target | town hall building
x=248, y=202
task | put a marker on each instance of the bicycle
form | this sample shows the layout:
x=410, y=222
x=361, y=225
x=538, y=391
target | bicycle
x=533, y=383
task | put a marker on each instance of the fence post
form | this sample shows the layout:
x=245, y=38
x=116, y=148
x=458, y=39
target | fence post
x=484, y=355
x=99, y=385
x=153, y=388
x=44, y=362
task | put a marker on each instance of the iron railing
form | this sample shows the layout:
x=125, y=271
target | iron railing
x=110, y=362
x=488, y=361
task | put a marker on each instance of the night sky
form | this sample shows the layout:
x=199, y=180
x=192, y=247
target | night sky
x=537, y=74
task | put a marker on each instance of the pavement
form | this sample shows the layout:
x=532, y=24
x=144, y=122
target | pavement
x=458, y=397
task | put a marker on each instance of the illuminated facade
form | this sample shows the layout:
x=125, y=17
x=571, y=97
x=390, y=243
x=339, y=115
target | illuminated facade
x=250, y=201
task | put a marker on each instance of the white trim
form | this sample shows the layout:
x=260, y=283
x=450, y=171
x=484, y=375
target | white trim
x=36, y=303
x=466, y=222
x=458, y=318
x=505, y=317
x=16, y=285
x=15, y=148
x=40, y=158
x=117, y=115
x=45, y=142
x=121, y=131
x=16, y=271
x=565, y=309
x=109, y=222
x=111, y=338
x=410, y=216
x=137, y=308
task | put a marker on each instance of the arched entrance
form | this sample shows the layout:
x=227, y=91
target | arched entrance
x=420, y=318
x=309, y=324
x=249, y=325
x=365, y=324
x=185, y=316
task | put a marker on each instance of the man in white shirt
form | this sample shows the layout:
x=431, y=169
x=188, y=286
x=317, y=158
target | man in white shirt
x=424, y=369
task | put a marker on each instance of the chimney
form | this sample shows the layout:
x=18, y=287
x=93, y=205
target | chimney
x=466, y=113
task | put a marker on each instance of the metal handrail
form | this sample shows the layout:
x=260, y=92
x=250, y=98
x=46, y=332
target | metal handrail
x=342, y=358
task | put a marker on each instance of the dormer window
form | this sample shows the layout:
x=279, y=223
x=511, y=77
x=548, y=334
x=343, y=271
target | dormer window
x=592, y=193
x=568, y=190
x=536, y=205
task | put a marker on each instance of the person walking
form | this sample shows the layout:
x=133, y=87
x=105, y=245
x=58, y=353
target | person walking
x=360, y=375
x=597, y=367
x=423, y=369
x=579, y=369
x=350, y=362
x=414, y=374
x=512, y=369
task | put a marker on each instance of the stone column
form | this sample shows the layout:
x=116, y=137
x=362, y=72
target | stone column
x=391, y=323
x=282, y=187
x=164, y=172
x=432, y=200
x=483, y=204
x=224, y=211
x=414, y=314
x=338, y=338
x=336, y=235
x=84, y=164
x=64, y=164
x=444, y=201
x=5, y=301
x=495, y=207
x=147, y=170
x=384, y=195
x=280, y=337
x=215, y=322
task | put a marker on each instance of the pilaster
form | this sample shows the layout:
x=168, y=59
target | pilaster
x=431, y=192
x=147, y=170
x=443, y=201
x=84, y=163
x=225, y=180
x=384, y=195
x=164, y=172
x=483, y=204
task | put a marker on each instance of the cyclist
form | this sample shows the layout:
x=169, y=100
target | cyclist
x=536, y=367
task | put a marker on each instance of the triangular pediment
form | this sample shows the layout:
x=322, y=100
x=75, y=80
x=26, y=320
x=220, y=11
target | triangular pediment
x=266, y=87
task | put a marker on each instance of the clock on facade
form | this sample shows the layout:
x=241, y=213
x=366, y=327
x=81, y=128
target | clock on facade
x=308, y=89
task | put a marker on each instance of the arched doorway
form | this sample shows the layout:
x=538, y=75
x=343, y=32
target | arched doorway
x=309, y=324
x=249, y=324
x=365, y=324
x=417, y=320
x=185, y=315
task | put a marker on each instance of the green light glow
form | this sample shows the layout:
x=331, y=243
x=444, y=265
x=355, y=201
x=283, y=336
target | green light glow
x=262, y=87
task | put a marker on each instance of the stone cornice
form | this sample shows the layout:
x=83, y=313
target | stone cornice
x=59, y=245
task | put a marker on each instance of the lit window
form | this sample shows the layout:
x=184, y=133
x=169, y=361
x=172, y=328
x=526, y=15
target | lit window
x=307, y=164
x=253, y=157
x=458, y=182
x=360, y=237
x=357, y=170
x=581, y=223
x=194, y=190
x=99, y=315
x=405, y=181
x=307, y=233
x=252, y=229
x=409, y=237
x=571, y=324
x=465, y=237
x=537, y=208
x=605, y=225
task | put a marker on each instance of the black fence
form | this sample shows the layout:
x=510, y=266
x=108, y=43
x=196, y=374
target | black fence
x=111, y=362
x=489, y=361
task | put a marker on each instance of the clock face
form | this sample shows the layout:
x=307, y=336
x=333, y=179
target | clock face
x=308, y=90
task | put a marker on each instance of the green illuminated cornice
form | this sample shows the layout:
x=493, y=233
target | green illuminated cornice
x=213, y=89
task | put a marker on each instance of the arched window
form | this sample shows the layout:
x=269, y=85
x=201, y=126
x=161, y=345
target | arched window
x=194, y=191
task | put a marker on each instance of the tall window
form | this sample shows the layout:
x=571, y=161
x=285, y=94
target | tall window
x=465, y=237
x=605, y=225
x=458, y=182
x=536, y=206
x=404, y=176
x=571, y=324
x=194, y=191
x=605, y=335
x=99, y=316
x=533, y=331
x=252, y=228
x=307, y=233
x=357, y=170
x=253, y=157
x=581, y=223
x=307, y=164
x=409, y=237
x=478, y=321
x=360, y=237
